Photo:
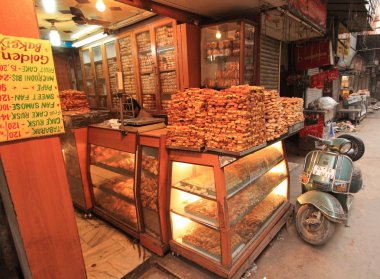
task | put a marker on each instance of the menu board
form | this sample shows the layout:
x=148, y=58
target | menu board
x=29, y=98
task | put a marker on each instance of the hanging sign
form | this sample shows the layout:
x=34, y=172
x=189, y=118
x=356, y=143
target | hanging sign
x=29, y=98
x=314, y=11
x=314, y=55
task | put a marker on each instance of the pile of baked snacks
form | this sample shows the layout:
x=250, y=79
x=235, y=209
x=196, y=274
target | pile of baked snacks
x=275, y=124
x=187, y=117
x=293, y=108
x=74, y=100
x=234, y=119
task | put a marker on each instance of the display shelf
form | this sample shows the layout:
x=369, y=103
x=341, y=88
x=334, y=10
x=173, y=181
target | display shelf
x=115, y=207
x=164, y=49
x=183, y=189
x=121, y=171
x=108, y=190
x=235, y=153
x=201, y=210
x=236, y=217
x=184, y=148
x=236, y=189
x=168, y=70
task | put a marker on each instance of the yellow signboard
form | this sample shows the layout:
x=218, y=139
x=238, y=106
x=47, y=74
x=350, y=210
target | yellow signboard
x=29, y=98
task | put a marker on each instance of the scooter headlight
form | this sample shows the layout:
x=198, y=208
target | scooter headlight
x=345, y=147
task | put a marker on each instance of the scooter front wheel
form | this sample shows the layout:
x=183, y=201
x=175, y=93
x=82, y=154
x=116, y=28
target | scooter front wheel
x=312, y=226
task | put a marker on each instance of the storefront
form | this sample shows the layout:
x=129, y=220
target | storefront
x=180, y=188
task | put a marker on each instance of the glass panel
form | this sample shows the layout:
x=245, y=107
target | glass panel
x=249, y=43
x=146, y=66
x=127, y=65
x=78, y=72
x=112, y=183
x=74, y=176
x=194, y=207
x=101, y=88
x=122, y=210
x=220, y=55
x=244, y=201
x=198, y=237
x=115, y=160
x=112, y=70
x=112, y=177
x=242, y=172
x=149, y=190
x=195, y=179
x=90, y=88
x=248, y=227
x=166, y=63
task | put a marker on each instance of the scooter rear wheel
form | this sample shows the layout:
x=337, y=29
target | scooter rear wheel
x=312, y=226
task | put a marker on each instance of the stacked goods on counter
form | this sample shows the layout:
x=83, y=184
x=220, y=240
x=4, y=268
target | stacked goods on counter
x=235, y=118
x=187, y=115
x=293, y=108
x=274, y=115
x=74, y=100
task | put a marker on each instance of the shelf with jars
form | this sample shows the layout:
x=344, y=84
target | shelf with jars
x=152, y=191
x=223, y=208
x=227, y=55
x=150, y=59
x=112, y=177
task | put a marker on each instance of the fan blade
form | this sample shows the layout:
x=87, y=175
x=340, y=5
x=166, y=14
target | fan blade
x=79, y=20
x=98, y=22
x=76, y=12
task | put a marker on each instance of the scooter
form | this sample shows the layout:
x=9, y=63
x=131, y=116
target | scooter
x=328, y=181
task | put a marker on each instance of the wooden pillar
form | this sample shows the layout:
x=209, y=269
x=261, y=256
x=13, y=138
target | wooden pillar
x=35, y=186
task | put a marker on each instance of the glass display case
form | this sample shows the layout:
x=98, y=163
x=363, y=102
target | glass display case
x=227, y=54
x=89, y=79
x=221, y=206
x=153, y=191
x=112, y=173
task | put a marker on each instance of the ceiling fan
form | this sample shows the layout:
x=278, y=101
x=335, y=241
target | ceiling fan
x=79, y=18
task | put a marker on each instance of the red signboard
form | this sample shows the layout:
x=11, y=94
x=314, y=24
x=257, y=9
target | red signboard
x=313, y=55
x=314, y=11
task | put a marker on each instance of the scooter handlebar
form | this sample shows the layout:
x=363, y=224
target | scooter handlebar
x=315, y=138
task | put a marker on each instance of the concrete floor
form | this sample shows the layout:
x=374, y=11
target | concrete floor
x=353, y=252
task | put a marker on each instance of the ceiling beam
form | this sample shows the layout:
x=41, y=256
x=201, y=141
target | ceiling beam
x=164, y=10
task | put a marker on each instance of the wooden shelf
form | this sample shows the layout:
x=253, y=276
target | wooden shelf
x=168, y=70
x=121, y=171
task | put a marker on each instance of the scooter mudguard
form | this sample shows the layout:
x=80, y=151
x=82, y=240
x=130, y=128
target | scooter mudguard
x=326, y=203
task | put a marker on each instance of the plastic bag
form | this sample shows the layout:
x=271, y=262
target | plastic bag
x=326, y=103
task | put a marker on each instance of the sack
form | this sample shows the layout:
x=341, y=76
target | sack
x=326, y=103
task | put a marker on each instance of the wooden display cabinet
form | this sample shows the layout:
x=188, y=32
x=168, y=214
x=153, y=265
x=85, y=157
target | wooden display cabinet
x=112, y=174
x=152, y=191
x=156, y=60
x=99, y=74
x=157, y=67
x=228, y=54
x=225, y=210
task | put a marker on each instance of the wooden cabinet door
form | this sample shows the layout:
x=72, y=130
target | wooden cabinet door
x=166, y=54
x=146, y=69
